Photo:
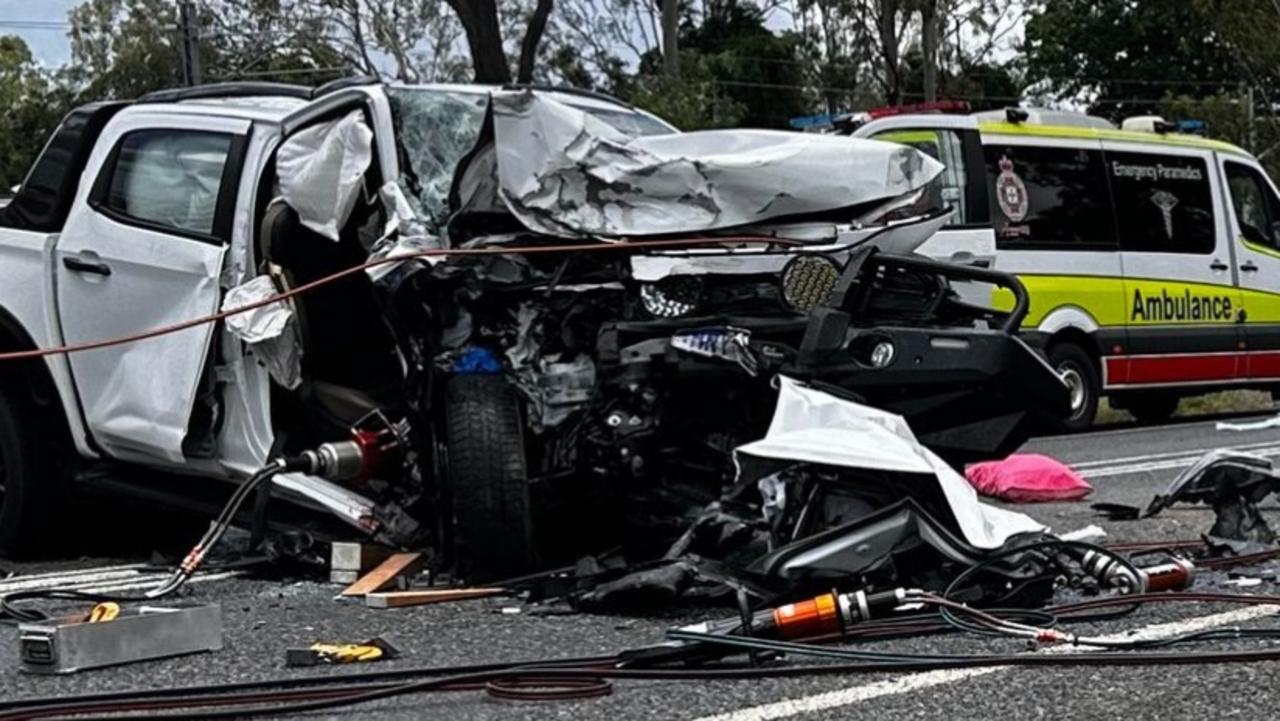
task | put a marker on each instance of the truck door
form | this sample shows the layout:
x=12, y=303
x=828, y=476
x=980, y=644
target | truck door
x=1181, y=303
x=143, y=247
x=1255, y=229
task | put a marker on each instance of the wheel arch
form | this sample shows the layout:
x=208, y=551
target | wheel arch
x=1072, y=324
x=33, y=378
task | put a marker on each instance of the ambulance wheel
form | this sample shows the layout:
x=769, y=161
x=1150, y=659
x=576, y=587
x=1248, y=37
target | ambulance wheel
x=1151, y=407
x=24, y=497
x=487, y=476
x=1081, y=376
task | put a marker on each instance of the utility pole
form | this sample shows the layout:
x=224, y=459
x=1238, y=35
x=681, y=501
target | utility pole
x=1253, y=127
x=189, y=29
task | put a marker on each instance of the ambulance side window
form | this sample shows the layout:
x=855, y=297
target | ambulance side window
x=1049, y=198
x=1257, y=210
x=1163, y=203
x=948, y=189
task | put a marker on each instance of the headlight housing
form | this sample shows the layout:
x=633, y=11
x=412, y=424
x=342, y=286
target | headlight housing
x=673, y=297
x=808, y=281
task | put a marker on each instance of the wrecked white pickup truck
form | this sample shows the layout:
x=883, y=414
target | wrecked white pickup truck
x=499, y=379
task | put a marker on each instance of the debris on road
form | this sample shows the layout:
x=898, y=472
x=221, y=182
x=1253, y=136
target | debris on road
x=1260, y=425
x=1027, y=478
x=835, y=493
x=348, y=560
x=322, y=653
x=1233, y=483
x=422, y=597
x=396, y=569
x=137, y=634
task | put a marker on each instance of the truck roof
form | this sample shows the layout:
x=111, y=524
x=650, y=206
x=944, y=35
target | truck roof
x=272, y=102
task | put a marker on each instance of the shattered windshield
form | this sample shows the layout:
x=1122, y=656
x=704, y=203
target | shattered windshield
x=436, y=127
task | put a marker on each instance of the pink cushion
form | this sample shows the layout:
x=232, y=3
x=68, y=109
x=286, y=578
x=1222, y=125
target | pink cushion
x=1027, y=478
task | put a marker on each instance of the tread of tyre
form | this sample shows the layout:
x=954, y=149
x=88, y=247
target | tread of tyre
x=25, y=501
x=488, y=477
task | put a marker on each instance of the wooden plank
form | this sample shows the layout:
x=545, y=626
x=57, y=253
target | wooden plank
x=398, y=599
x=399, y=564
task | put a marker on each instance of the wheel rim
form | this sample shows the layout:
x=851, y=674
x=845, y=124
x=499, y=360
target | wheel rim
x=1076, y=387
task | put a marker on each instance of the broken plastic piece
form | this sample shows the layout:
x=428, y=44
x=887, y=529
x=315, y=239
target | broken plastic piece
x=476, y=360
x=1252, y=475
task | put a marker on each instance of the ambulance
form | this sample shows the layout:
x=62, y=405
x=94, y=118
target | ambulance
x=1152, y=257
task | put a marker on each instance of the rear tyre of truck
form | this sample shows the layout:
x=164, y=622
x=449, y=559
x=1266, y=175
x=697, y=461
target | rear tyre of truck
x=487, y=477
x=1081, y=376
x=1150, y=407
x=25, y=492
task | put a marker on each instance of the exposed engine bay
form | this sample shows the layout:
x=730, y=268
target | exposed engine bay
x=528, y=383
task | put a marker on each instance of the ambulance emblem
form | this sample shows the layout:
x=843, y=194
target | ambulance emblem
x=1165, y=201
x=1011, y=192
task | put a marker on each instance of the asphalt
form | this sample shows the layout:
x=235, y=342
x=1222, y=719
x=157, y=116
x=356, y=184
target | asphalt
x=265, y=616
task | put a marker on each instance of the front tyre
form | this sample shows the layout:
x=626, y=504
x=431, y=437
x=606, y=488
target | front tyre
x=1080, y=373
x=25, y=493
x=487, y=476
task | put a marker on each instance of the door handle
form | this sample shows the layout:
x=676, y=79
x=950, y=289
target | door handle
x=1249, y=267
x=1218, y=265
x=86, y=266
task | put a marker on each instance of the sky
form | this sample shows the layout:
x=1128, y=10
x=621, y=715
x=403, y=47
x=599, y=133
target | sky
x=42, y=24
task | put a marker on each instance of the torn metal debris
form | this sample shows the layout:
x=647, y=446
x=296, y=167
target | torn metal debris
x=1233, y=483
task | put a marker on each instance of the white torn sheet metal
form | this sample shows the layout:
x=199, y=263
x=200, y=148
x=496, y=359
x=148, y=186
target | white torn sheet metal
x=270, y=331
x=321, y=171
x=810, y=426
x=563, y=172
x=902, y=236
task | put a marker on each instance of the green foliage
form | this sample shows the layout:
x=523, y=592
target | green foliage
x=30, y=96
x=123, y=48
x=693, y=101
x=758, y=69
x=1123, y=56
x=1226, y=117
x=986, y=86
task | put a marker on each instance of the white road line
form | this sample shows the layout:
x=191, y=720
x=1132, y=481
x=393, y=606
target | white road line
x=1163, y=465
x=1197, y=452
x=928, y=679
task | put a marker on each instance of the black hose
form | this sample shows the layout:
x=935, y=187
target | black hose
x=11, y=613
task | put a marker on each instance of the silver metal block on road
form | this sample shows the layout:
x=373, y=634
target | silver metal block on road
x=67, y=646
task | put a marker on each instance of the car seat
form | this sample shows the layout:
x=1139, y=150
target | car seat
x=350, y=362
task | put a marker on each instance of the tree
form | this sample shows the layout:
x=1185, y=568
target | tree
x=34, y=103
x=756, y=68
x=1124, y=57
x=481, y=20
x=125, y=48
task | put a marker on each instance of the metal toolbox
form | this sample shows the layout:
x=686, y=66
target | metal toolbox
x=149, y=632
